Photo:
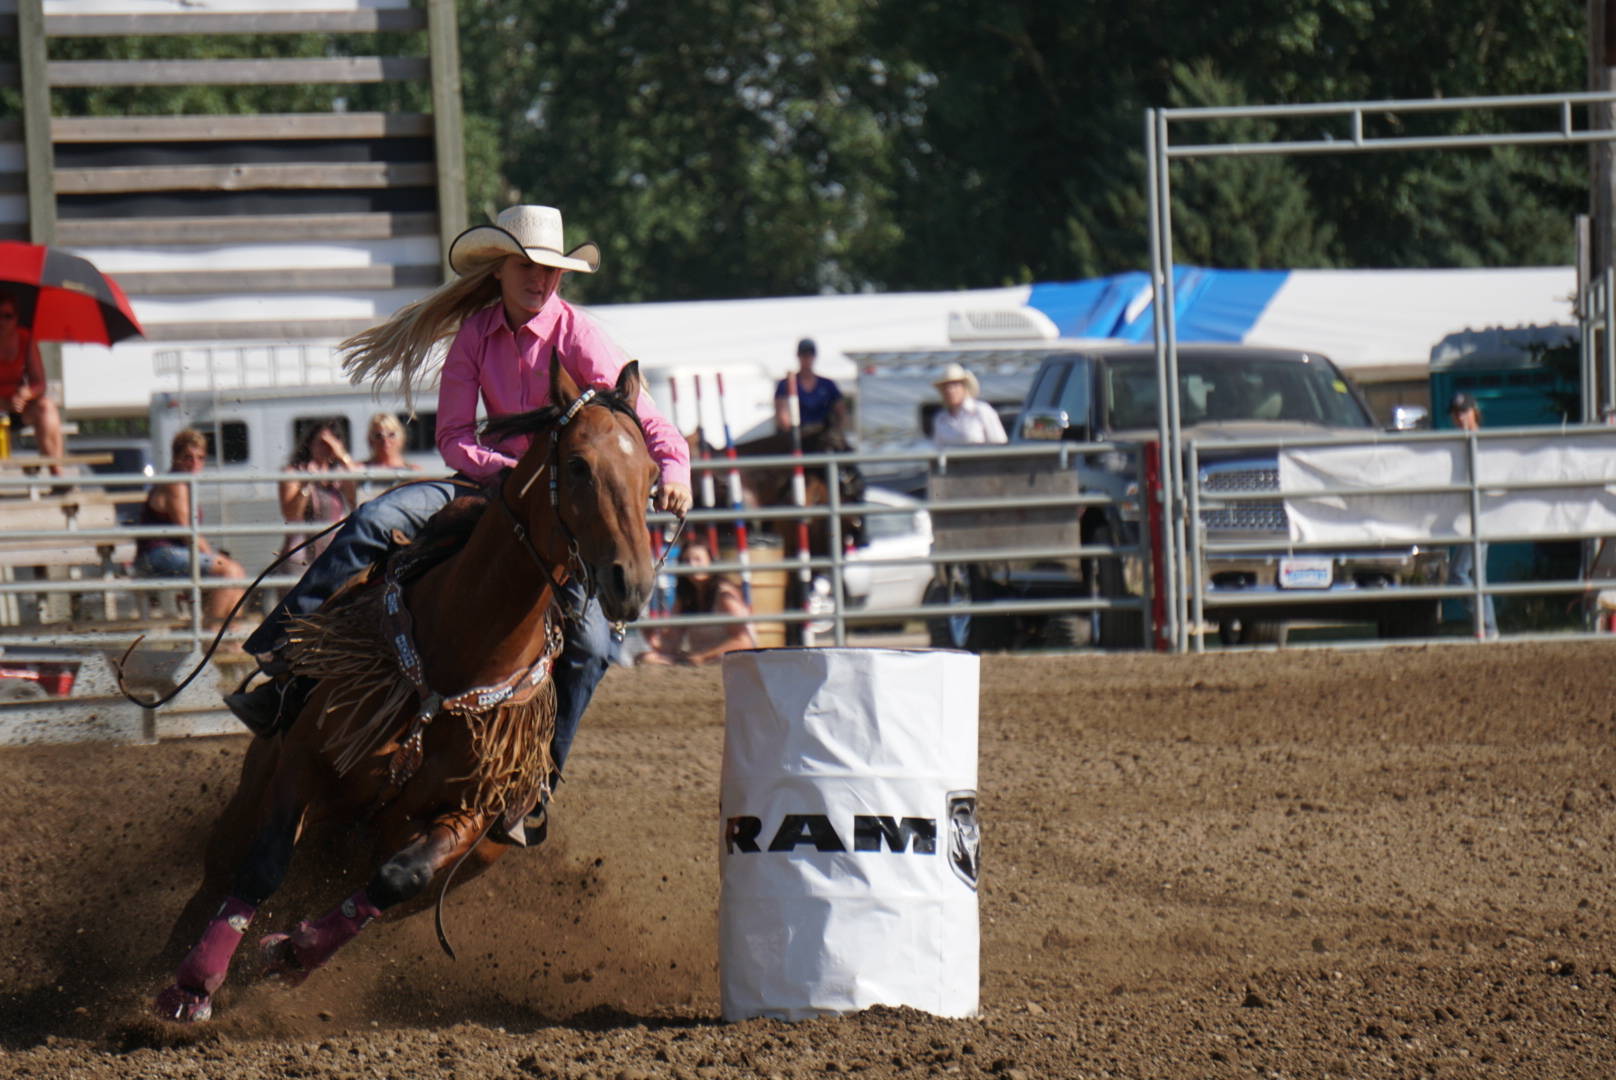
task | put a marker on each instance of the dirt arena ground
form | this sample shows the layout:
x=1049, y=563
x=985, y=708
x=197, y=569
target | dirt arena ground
x=1298, y=864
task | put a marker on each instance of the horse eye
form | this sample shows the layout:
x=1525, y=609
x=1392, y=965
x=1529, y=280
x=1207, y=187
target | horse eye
x=578, y=469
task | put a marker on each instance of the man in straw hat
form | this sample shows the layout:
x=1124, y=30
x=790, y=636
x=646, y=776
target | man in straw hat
x=506, y=321
x=964, y=419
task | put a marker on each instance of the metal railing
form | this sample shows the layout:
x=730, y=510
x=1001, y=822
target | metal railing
x=116, y=580
x=1473, y=487
x=1162, y=149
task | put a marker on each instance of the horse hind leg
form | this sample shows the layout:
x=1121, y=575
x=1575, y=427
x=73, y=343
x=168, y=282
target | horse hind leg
x=189, y=998
x=401, y=878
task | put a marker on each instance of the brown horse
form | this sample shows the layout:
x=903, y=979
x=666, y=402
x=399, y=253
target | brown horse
x=773, y=486
x=443, y=744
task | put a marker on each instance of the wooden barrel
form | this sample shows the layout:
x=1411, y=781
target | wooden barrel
x=768, y=591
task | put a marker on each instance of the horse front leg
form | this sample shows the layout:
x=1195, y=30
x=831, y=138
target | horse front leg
x=189, y=997
x=401, y=878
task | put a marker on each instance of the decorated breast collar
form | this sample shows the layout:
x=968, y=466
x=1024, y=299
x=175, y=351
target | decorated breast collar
x=515, y=689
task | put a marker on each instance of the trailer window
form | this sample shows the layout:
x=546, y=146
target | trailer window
x=234, y=434
x=420, y=433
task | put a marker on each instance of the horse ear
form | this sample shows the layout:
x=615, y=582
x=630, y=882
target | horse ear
x=563, y=388
x=629, y=382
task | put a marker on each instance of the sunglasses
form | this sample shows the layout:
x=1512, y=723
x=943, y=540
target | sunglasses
x=384, y=434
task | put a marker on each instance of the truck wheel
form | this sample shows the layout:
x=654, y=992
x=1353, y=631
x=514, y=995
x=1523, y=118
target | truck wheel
x=963, y=631
x=1410, y=619
x=942, y=629
x=1118, y=629
x=1071, y=631
x=1252, y=631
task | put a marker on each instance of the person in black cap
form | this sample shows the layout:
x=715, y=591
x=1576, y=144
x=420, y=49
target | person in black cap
x=1466, y=416
x=822, y=403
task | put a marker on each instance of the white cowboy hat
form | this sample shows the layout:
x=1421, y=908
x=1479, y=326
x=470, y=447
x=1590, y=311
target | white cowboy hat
x=533, y=231
x=957, y=373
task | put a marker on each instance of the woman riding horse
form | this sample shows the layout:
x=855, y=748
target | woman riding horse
x=433, y=793
x=508, y=322
x=434, y=714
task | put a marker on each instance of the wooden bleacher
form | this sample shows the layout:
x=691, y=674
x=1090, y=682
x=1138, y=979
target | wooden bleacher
x=63, y=558
x=27, y=462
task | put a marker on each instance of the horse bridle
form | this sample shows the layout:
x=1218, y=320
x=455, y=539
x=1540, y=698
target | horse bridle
x=525, y=539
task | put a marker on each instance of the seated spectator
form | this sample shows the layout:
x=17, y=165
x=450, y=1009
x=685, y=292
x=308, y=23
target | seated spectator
x=385, y=437
x=386, y=440
x=312, y=501
x=170, y=556
x=700, y=593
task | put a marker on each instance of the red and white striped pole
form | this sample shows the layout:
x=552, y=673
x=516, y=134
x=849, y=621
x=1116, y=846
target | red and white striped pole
x=737, y=501
x=799, y=498
x=709, y=496
x=659, y=538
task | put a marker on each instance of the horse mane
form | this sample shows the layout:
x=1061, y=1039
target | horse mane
x=532, y=422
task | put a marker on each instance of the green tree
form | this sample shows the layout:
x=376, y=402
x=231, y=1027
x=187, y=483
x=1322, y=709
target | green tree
x=1025, y=162
x=725, y=148
x=713, y=148
x=1241, y=212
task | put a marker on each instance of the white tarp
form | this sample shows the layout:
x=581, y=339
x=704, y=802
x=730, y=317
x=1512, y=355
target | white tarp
x=848, y=841
x=1364, y=319
x=1586, y=461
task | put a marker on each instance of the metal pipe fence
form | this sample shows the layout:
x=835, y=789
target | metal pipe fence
x=1161, y=150
x=1472, y=488
x=111, y=594
x=110, y=585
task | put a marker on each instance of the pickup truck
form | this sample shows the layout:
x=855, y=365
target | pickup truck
x=1109, y=394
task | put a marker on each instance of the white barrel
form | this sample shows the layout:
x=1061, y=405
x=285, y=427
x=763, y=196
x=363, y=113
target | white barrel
x=848, y=839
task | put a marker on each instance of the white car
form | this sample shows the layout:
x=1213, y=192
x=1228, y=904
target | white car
x=890, y=536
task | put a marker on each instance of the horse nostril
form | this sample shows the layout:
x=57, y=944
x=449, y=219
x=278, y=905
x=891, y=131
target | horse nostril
x=619, y=579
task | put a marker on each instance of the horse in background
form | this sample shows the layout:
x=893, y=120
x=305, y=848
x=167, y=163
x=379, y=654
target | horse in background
x=772, y=486
x=434, y=711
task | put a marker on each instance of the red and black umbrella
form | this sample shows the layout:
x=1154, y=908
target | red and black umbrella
x=61, y=297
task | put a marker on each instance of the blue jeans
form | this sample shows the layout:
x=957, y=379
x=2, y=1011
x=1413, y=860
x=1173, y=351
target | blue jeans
x=588, y=640
x=1461, y=571
x=172, y=560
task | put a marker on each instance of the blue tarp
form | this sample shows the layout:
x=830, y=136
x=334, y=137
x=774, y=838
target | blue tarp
x=1212, y=305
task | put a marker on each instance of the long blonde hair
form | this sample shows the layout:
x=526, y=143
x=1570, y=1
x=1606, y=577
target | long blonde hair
x=404, y=345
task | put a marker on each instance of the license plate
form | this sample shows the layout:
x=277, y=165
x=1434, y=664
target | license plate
x=1306, y=573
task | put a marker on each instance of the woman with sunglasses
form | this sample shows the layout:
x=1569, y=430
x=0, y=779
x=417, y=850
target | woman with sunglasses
x=386, y=440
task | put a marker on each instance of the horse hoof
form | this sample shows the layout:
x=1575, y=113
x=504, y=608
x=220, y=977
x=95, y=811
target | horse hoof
x=184, y=1006
x=280, y=959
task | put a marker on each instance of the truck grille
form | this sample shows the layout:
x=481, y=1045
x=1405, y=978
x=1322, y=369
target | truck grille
x=1248, y=517
x=1244, y=515
x=1240, y=480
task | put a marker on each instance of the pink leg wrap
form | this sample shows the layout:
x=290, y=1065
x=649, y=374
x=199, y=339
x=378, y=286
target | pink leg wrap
x=206, y=965
x=314, y=942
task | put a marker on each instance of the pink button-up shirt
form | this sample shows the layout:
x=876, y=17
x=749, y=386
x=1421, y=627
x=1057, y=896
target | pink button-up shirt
x=511, y=371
